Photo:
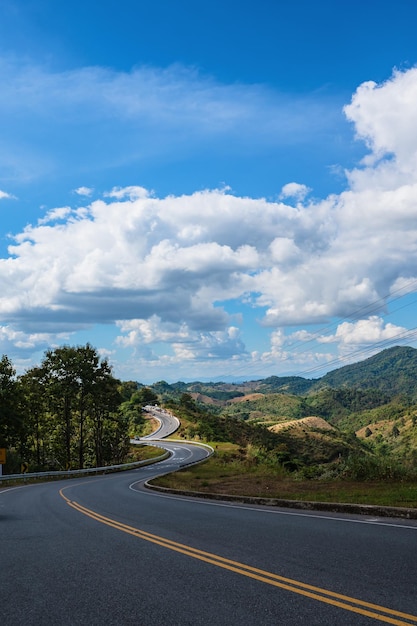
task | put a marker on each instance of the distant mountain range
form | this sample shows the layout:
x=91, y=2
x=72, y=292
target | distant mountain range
x=392, y=371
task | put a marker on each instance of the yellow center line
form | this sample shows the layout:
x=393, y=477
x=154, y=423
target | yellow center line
x=348, y=603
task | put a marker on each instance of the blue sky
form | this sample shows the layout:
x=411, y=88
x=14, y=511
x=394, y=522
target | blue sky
x=208, y=190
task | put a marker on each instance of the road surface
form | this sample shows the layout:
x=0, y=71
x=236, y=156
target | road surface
x=168, y=423
x=104, y=550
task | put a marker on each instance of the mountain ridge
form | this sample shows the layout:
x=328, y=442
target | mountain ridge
x=392, y=371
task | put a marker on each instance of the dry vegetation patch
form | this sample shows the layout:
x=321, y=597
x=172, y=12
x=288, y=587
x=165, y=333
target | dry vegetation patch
x=302, y=424
x=203, y=399
x=248, y=398
x=383, y=427
x=406, y=426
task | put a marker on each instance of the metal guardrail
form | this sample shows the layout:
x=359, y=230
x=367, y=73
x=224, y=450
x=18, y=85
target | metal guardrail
x=88, y=470
x=147, y=440
x=110, y=468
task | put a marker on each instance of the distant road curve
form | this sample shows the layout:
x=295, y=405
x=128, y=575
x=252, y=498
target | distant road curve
x=182, y=453
x=168, y=423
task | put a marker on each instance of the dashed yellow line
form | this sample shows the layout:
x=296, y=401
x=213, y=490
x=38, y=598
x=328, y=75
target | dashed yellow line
x=374, y=611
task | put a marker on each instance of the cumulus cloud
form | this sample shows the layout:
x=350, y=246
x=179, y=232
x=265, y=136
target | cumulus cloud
x=11, y=338
x=364, y=332
x=186, y=344
x=288, y=353
x=385, y=117
x=164, y=269
x=294, y=190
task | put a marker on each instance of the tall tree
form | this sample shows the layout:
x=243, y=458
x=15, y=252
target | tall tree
x=35, y=408
x=61, y=381
x=89, y=374
x=82, y=395
x=105, y=416
x=11, y=417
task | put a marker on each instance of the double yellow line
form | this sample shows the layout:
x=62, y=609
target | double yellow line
x=338, y=600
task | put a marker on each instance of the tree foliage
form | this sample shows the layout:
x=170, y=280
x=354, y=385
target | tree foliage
x=64, y=413
x=11, y=415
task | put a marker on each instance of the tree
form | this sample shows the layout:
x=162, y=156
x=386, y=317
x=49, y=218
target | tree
x=60, y=378
x=89, y=371
x=35, y=409
x=82, y=393
x=131, y=408
x=104, y=415
x=11, y=415
x=395, y=431
x=187, y=402
x=145, y=395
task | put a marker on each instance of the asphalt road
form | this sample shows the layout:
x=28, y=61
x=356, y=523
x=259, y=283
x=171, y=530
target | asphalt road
x=168, y=423
x=104, y=550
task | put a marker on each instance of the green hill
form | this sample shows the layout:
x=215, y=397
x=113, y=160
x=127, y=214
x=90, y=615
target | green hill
x=371, y=405
x=392, y=371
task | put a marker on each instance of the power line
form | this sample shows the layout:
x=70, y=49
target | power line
x=407, y=335
x=402, y=336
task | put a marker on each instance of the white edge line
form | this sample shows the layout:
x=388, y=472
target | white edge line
x=261, y=510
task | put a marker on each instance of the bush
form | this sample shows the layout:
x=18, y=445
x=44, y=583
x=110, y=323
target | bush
x=374, y=467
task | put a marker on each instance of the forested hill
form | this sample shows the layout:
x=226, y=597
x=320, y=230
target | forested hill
x=392, y=371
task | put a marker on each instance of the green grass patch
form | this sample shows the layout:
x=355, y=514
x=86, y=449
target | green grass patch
x=232, y=477
x=142, y=453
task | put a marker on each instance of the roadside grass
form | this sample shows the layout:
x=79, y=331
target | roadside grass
x=149, y=425
x=142, y=452
x=234, y=477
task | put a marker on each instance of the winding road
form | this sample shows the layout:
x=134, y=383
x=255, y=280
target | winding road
x=107, y=550
x=168, y=423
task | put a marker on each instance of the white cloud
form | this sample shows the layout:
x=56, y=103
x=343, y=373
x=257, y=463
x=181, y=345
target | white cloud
x=284, y=250
x=385, y=117
x=131, y=193
x=11, y=338
x=163, y=268
x=294, y=190
x=131, y=255
x=284, y=357
x=152, y=330
x=55, y=215
x=187, y=344
x=364, y=332
x=84, y=191
x=4, y=195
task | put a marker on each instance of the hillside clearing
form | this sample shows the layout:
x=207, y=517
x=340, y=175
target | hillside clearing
x=311, y=422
